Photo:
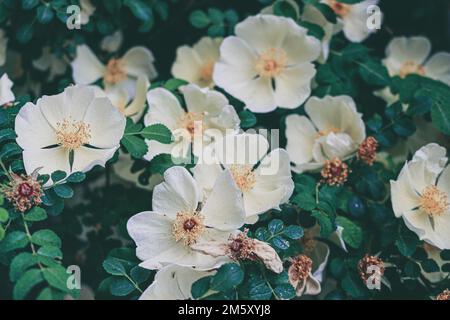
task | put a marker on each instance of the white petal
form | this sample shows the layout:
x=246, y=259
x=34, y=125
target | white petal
x=438, y=67
x=86, y=68
x=434, y=156
x=241, y=149
x=444, y=181
x=84, y=159
x=187, y=65
x=293, y=85
x=300, y=134
x=208, y=48
x=50, y=160
x=177, y=194
x=320, y=259
x=137, y=106
x=112, y=42
x=138, y=61
x=156, y=148
x=206, y=101
x=6, y=94
x=205, y=175
x=163, y=108
x=224, y=208
x=299, y=47
x=107, y=124
x=32, y=129
x=403, y=49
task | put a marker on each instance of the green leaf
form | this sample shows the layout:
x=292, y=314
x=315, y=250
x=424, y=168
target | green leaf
x=374, y=73
x=36, y=214
x=50, y=252
x=305, y=201
x=411, y=269
x=429, y=265
x=45, y=13
x=199, y=19
x=326, y=225
x=4, y=215
x=293, y=232
x=134, y=145
x=139, y=9
x=248, y=119
x=313, y=29
x=259, y=290
x=114, y=267
x=419, y=106
x=445, y=255
x=285, y=291
x=157, y=132
x=14, y=240
x=275, y=226
x=327, y=12
x=200, y=287
x=26, y=282
x=76, y=177
x=25, y=33
x=2, y=232
x=404, y=127
x=63, y=191
x=121, y=287
x=46, y=237
x=280, y=243
x=174, y=84
x=352, y=286
x=229, y=276
x=20, y=264
x=285, y=9
x=407, y=242
x=352, y=233
x=57, y=278
x=215, y=15
x=7, y=134
x=139, y=274
x=58, y=175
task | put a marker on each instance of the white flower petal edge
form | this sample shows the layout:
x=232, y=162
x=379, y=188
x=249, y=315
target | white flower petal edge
x=173, y=283
x=6, y=94
x=334, y=129
x=166, y=235
x=75, y=121
x=268, y=63
x=421, y=193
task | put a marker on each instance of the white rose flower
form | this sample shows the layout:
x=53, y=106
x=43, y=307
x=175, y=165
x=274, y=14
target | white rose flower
x=196, y=64
x=173, y=283
x=263, y=187
x=6, y=94
x=411, y=55
x=166, y=234
x=71, y=131
x=208, y=112
x=268, y=63
x=119, y=75
x=113, y=42
x=334, y=129
x=353, y=18
x=49, y=61
x=420, y=195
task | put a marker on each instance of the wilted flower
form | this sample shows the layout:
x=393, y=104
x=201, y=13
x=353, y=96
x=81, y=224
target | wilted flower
x=22, y=191
x=301, y=276
x=334, y=172
x=370, y=266
x=444, y=295
x=367, y=150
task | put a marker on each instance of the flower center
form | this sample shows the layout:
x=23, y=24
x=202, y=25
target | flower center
x=243, y=176
x=301, y=268
x=434, y=201
x=271, y=62
x=115, y=71
x=341, y=9
x=206, y=72
x=334, y=172
x=72, y=135
x=25, y=189
x=410, y=67
x=188, y=227
x=192, y=121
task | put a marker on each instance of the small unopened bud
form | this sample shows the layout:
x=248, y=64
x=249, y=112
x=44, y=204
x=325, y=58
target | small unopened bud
x=334, y=172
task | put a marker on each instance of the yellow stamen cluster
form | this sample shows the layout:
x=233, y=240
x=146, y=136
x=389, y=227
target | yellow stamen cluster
x=193, y=122
x=115, y=71
x=71, y=134
x=334, y=172
x=244, y=176
x=444, y=295
x=300, y=269
x=341, y=9
x=434, y=201
x=271, y=62
x=363, y=267
x=367, y=150
x=410, y=67
x=188, y=227
x=326, y=132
